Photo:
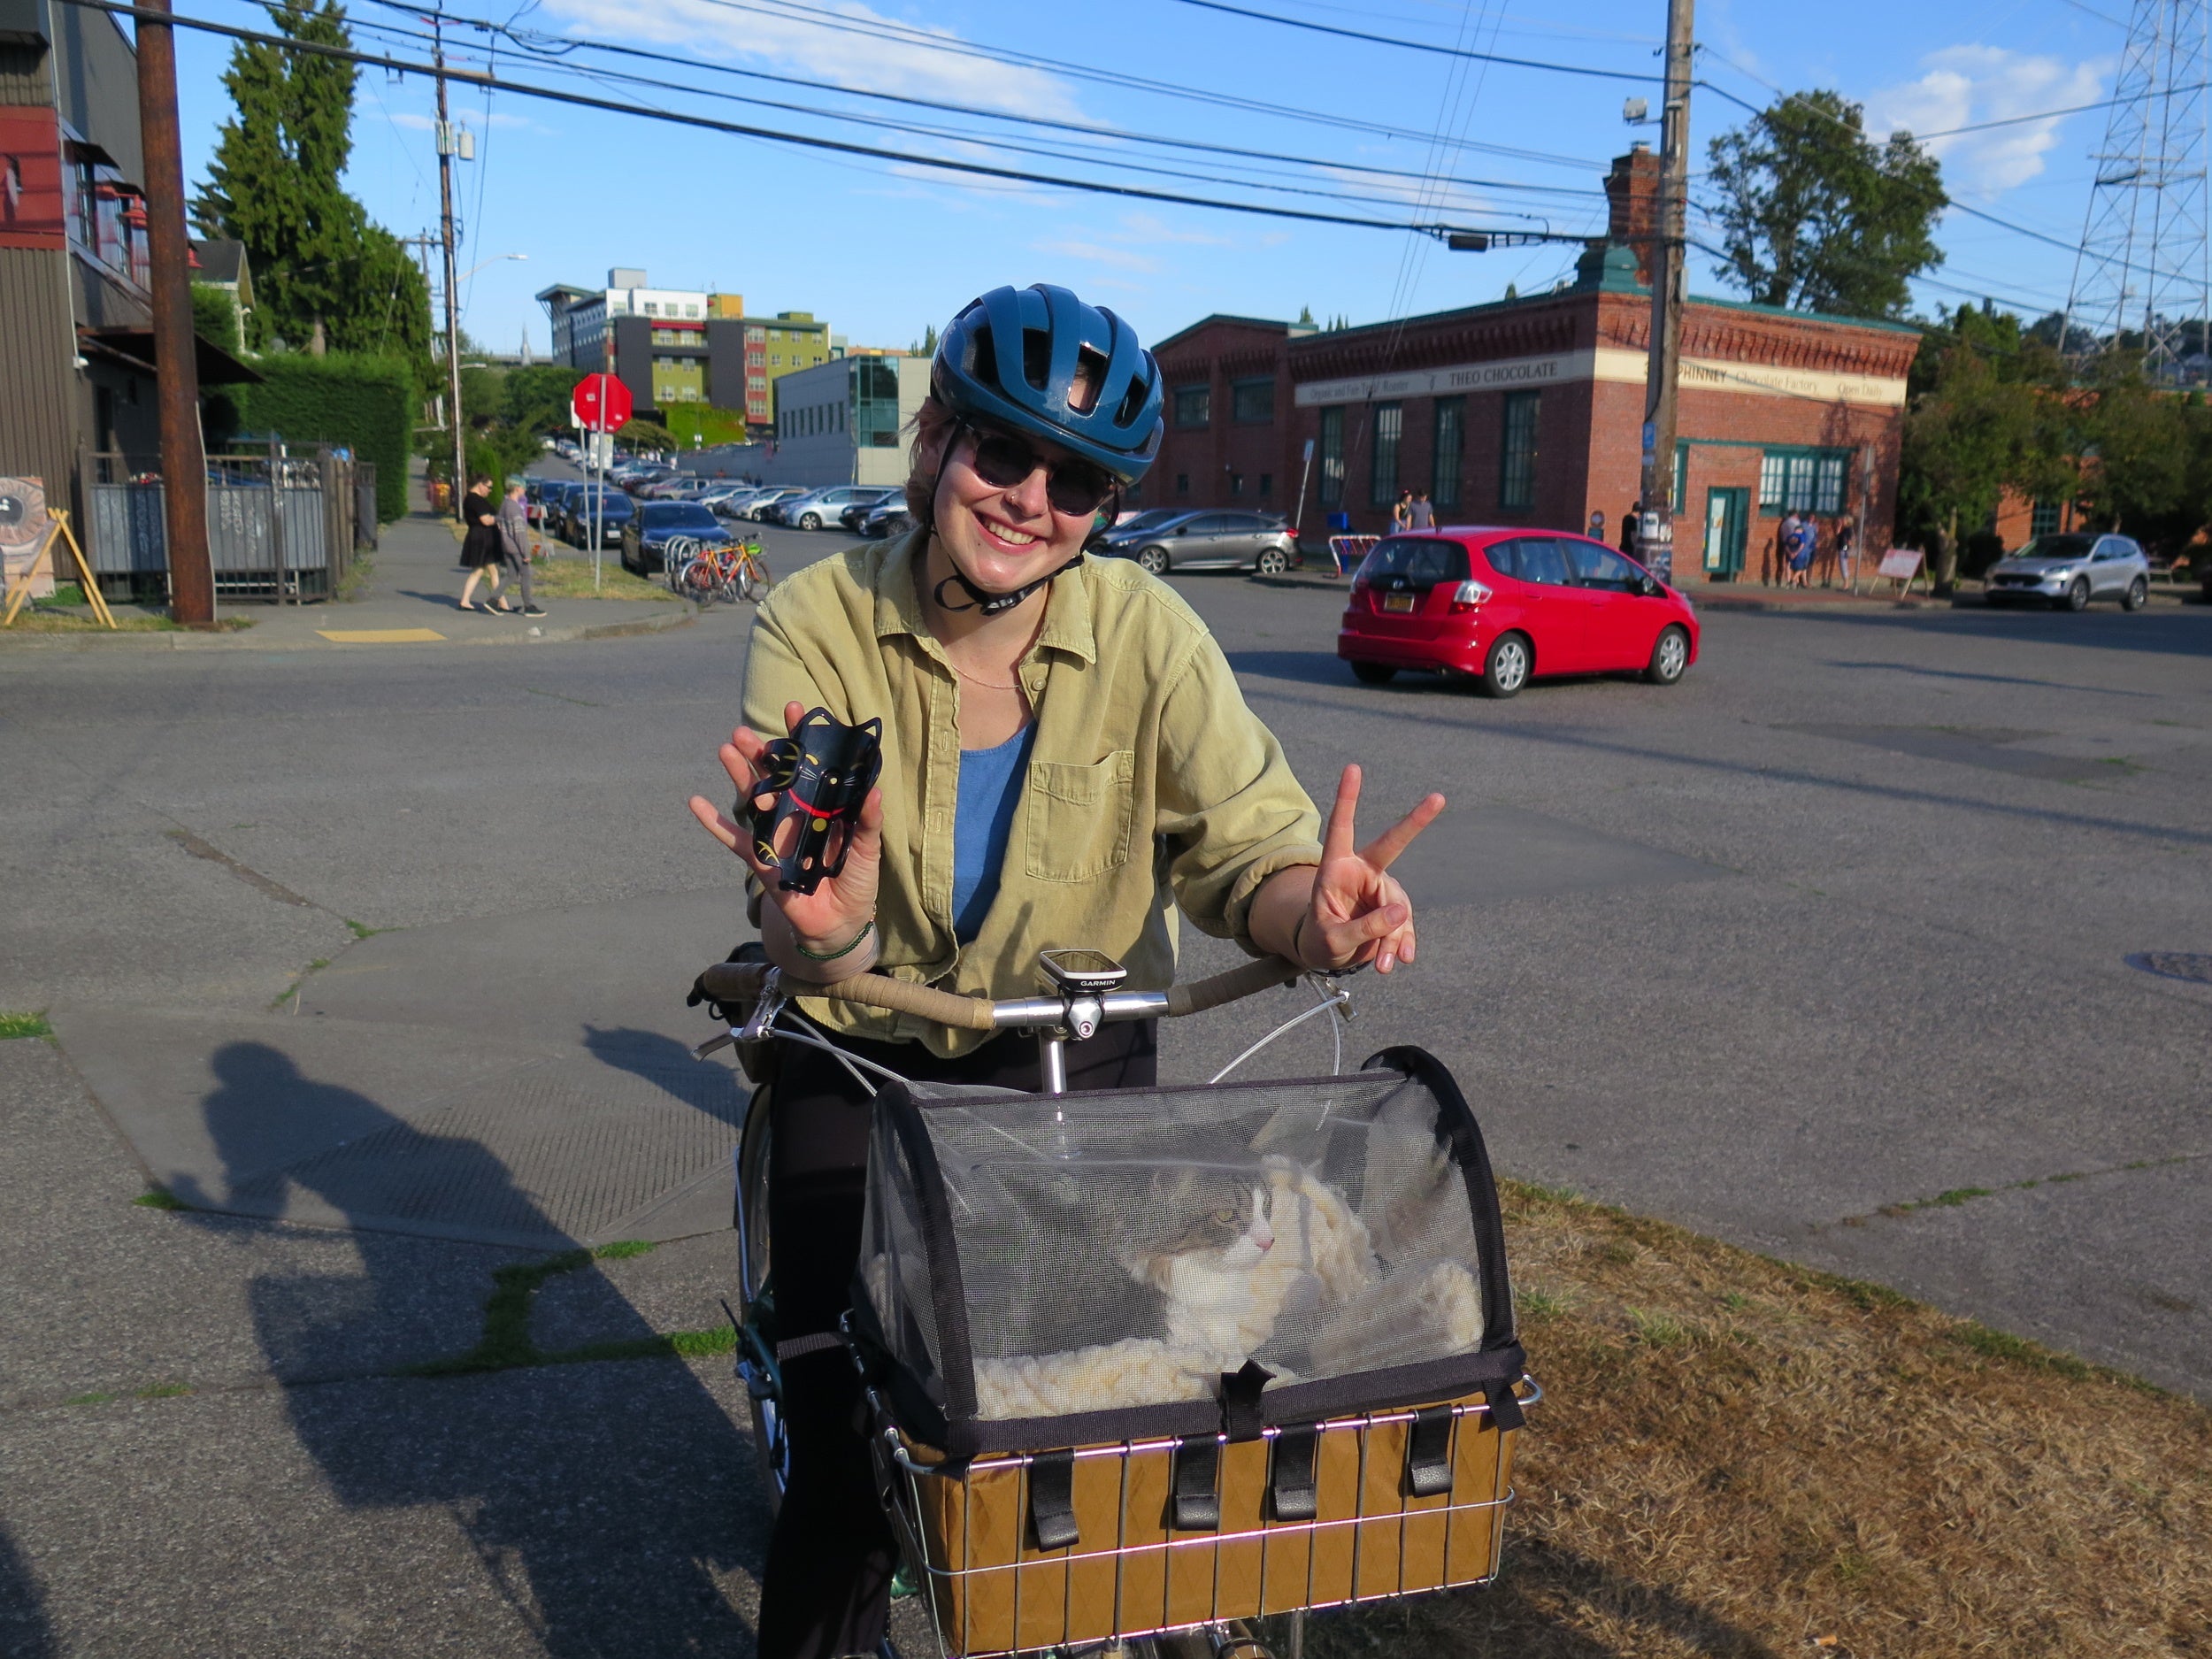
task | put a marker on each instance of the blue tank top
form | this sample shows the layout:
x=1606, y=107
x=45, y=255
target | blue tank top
x=990, y=789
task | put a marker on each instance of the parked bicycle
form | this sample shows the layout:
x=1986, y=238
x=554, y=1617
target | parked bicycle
x=1065, y=1478
x=727, y=571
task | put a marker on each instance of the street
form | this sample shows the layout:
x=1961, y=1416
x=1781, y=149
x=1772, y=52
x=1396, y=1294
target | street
x=1821, y=952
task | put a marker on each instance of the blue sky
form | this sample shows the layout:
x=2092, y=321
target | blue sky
x=883, y=248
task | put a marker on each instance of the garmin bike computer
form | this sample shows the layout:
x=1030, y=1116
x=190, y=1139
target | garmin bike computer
x=1082, y=972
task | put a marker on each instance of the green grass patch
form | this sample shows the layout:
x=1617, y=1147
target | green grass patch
x=569, y=577
x=160, y=1197
x=1958, y=1195
x=14, y=1026
x=293, y=989
x=623, y=1249
x=164, y=1391
x=1657, y=1329
x=89, y=1399
x=361, y=930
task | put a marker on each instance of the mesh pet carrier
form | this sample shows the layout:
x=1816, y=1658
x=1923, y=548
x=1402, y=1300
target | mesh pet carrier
x=1154, y=1357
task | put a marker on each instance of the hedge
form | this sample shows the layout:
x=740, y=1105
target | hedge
x=363, y=404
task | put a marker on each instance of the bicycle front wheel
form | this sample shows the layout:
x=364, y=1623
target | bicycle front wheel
x=753, y=579
x=763, y=1377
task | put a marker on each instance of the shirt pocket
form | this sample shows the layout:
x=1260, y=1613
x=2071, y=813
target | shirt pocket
x=1077, y=817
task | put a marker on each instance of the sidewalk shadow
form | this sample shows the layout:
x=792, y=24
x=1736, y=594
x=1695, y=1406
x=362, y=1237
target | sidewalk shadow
x=603, y=1499
x=24, y=1631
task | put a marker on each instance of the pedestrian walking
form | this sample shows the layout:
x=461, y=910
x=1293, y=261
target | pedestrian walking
x=1421, y=515
x=1628, y=528
x=1774, y=564
x=1401, y=514
x=1846, y=536
x=480, y=543
x=1799, y=547
x=514, y=544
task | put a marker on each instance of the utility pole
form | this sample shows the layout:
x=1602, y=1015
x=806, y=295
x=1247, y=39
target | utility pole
x=446, y=148
x=176, y=351
x=1654, y=531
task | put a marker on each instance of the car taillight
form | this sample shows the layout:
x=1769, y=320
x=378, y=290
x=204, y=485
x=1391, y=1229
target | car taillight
x=1468, y=595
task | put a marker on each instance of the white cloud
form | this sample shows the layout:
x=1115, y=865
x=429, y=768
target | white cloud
x=845, y=55
x=1097, y=253
x=1964, y=85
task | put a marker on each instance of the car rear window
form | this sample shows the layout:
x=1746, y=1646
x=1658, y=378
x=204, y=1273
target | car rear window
x=1422, y=561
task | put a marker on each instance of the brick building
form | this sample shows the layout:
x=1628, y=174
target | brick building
x=1530, y=411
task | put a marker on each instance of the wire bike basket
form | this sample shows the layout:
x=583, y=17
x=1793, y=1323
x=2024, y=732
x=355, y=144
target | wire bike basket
x=1146, y=1359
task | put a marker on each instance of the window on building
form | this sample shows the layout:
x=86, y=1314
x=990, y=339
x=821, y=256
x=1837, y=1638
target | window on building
x=1390, y=424
x=775, y=359
x=1193, y=405
x=1332, y=457
x=1267, y=483
x=1182, y=483
x=1451, y=432
x=1252, y=403
x=652, y=308
x=1803, y=480
x=1516, y=459
x=691, y=311
x=1236, y=483
x=2043, y=518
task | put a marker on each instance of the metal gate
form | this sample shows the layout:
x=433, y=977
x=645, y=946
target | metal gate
x=280, y=528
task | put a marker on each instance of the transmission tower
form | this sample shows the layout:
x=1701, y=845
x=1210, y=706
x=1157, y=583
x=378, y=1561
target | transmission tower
x=2142, y=281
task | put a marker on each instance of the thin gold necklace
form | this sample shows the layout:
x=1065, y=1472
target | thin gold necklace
x=989, y=684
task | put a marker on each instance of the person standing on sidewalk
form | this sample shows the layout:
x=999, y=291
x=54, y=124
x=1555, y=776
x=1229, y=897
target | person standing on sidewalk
x=1421, y=515
x=480, y=543
x=1401, y=513
x=1844, y=549
x=514, y=544
x=1628, y=528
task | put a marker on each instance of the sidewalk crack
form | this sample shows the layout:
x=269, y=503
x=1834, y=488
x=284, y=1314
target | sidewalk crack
x=1957, y=1195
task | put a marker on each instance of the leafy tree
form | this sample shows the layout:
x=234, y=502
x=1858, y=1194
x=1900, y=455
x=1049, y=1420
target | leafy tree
x=322, y=268
x=215, y=316
x=646, y=434
x=927, y=345
x=535, y=399
x=2145, y=455
x=1818, y=216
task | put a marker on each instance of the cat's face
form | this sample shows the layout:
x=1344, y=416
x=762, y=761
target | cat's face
x=1212, y=1219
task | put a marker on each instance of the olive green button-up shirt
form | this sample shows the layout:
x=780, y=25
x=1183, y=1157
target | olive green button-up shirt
x=1151, y=787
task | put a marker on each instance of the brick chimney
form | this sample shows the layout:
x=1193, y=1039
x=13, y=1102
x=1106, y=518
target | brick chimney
x=1631, y=195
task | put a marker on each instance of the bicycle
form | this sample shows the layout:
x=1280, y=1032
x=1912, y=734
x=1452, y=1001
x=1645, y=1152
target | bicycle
x=1273, y=1502
x=728, y=571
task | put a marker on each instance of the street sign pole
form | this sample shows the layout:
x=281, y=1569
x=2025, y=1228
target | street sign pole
x=600, y=403
x=1305, y=475
x=1655, y=529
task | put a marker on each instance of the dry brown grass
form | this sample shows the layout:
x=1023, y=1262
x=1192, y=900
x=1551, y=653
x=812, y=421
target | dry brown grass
x=1738, y=1457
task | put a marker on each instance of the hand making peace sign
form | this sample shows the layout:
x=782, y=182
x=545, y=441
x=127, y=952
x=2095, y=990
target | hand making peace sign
x=1358, y=912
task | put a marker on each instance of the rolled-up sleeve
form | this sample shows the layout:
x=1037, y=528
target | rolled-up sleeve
x=1230, y=810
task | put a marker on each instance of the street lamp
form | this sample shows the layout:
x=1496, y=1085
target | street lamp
x=494, y=259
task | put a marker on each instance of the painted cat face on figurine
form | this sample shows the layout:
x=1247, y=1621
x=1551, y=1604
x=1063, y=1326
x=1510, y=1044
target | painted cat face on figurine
x=815, y=779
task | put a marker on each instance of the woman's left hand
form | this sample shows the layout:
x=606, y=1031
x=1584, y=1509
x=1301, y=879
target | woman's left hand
x=1358, y=912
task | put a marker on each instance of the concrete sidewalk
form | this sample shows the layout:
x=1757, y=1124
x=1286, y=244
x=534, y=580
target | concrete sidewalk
x=410, y=597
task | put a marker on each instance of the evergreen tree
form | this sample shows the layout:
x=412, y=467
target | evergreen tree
x=320, y=263
x=1305, y=317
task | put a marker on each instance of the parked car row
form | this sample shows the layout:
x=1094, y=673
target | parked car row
x=1164, y=539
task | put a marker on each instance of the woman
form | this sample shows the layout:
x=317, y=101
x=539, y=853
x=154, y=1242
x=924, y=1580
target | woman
x=513, y=520
x=1801, y=551
x=480, y=543
x=1055, y=730
x=1401, y=511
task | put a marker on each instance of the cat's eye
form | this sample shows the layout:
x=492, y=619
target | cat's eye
x=1224, y=1215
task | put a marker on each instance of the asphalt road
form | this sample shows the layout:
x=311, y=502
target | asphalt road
x=1835, y=928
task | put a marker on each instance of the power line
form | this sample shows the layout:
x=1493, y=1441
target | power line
x=884, y=29
x=738, y=129
x=1423, y=46
x=537, y=45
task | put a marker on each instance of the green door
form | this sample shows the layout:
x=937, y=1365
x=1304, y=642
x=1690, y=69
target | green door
x=1727, y=521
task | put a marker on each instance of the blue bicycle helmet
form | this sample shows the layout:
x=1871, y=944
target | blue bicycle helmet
x=1011, y=357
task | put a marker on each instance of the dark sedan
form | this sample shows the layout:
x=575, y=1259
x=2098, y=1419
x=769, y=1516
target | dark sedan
x=655, y=523
x=613, y=509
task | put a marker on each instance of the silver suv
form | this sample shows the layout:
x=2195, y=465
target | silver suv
x=2072, y=569
x=1206, y=540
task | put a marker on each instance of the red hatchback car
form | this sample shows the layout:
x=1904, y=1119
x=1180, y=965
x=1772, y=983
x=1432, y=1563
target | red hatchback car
x=1505, y=605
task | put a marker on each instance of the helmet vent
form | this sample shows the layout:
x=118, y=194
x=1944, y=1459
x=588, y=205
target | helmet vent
x=1132, y=402
x=1090, y=376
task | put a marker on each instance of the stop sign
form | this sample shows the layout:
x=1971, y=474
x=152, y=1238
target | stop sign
x=602, y=402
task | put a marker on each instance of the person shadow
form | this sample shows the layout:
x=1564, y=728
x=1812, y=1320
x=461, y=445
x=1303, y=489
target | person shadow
x=608, y=1504
x=25, y=1632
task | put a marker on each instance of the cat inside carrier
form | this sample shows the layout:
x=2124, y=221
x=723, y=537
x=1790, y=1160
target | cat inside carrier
x=1156, y=1357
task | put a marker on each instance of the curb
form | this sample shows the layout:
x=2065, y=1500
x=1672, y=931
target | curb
x=246, y=640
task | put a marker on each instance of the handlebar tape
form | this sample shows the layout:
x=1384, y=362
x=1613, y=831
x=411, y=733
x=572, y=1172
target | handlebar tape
x=735, y=981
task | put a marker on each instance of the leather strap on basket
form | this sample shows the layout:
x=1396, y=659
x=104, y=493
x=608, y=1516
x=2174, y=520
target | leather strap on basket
x=1429, y=1453
x=1240, y=1417
x=1052, y=1499
x=1290, y=1484
x=1196, y=1505
x=1505, y=1406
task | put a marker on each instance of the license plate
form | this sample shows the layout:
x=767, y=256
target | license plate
x=1397, y=601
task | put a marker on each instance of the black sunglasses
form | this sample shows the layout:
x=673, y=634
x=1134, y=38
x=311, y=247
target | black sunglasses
x=1077, y=489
